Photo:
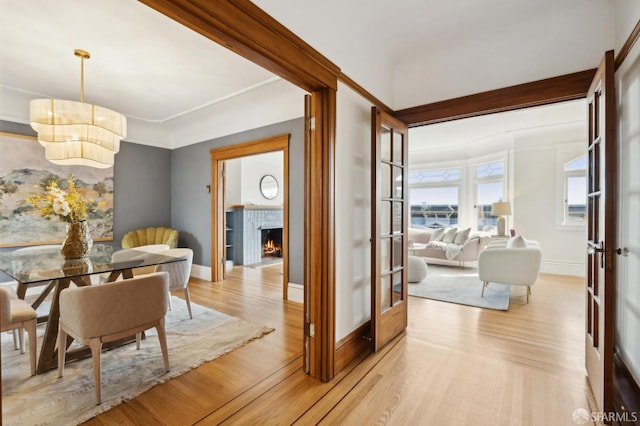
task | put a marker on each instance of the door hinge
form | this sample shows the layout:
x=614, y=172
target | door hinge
x=309, y=329
x=311, y=124
x=223, y=173
x=222, y=260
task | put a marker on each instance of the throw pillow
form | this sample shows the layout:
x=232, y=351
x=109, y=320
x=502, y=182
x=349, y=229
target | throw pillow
x=437, y=234
x=462, y=235
x=449, y=235
x=517, y=242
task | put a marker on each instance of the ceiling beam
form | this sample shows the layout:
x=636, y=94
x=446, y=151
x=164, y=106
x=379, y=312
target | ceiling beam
x=542, y=92
x=247, y=30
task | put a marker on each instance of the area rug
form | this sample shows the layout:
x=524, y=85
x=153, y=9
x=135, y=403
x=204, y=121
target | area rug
x=44, y=399
x=462, y=286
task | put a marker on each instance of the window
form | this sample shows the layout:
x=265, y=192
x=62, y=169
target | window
x=575, y=191
x=434, y=197
x=489, y=187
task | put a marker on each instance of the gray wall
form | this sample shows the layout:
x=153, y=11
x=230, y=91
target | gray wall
x=142, y=180
x=191, y=204
x=161, y=187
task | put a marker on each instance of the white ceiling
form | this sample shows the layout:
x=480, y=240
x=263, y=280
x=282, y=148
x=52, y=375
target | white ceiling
x=154, y=70
x=142, y=63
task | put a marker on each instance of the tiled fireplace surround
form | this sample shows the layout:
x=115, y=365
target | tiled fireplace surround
x=248, y=225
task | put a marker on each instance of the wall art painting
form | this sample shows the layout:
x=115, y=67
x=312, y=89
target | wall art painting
x=22, y=168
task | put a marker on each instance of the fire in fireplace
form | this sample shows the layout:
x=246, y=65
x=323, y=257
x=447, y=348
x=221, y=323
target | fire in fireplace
x=272, y=242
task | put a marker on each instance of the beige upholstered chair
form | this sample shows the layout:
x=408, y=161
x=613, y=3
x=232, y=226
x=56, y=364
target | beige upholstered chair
x=16, y=314
x=179, y=272
x=151, y=235
x=94, y=315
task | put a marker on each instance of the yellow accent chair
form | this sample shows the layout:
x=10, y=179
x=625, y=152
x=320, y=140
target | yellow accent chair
x=149, y=236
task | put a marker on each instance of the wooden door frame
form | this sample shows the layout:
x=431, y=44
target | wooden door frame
x=247, y=30
x=218, y=157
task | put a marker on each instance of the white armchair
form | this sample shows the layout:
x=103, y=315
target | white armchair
x=514, y=262
x=179, y=272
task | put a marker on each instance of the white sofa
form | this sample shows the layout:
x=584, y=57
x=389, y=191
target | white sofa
x=465, y=246
x=515, y=262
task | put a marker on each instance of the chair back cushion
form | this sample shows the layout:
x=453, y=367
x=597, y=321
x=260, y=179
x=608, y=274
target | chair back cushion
x=151, y=235
x=179, y=272
x=102, y=310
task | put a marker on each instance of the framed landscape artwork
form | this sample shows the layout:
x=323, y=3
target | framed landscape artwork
x=22, y=168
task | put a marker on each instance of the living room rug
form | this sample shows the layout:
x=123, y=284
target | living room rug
x=460, y=285
x=44, y=399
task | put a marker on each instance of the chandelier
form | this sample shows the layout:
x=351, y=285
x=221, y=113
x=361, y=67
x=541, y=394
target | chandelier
x=76, y=133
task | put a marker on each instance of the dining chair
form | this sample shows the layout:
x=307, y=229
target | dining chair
x=94, y=315
x=179, y=272
x=16, y=314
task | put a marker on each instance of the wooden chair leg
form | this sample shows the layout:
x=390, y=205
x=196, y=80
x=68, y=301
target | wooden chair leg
x=21, y=339
x=162, y=336
x=62, y=350
x=96, y=349
x=528, y=292
x=31, y=329
x=138, y=339
x=484, y=285
x=16, y=344
x=188, y=299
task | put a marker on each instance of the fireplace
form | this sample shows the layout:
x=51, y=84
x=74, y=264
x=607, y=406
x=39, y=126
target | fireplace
x=271, y=243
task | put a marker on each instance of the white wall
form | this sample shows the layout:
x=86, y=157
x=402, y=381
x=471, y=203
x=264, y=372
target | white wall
x=537, y=174
x=353, y=211
x=628, y=268
x=233, y=182
x=243, y=179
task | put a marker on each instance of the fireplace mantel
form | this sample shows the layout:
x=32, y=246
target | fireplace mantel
x=254, y=207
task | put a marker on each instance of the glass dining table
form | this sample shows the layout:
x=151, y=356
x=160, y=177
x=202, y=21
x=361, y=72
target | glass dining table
x=47, y=268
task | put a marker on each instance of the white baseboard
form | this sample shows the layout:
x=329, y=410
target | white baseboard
x=202, y=272
x=560, y=267
x=295, y=293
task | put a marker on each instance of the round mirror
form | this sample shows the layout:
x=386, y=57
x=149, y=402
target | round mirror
x=269, y=187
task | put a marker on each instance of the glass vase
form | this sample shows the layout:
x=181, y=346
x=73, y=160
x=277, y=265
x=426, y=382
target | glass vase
x=78, y=242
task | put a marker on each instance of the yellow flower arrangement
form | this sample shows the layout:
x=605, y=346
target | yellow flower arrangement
x=68, y=206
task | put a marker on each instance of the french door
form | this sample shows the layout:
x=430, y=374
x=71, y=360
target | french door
x=601, y=234
x=389, y=225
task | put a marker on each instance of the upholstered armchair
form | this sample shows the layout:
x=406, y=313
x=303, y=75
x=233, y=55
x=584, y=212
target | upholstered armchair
x=515, y=262
x=149, y=236
x=179, y=272
x=18, y=315
x=98, y=314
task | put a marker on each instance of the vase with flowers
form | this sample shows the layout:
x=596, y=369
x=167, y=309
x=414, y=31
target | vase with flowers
x=69, y=206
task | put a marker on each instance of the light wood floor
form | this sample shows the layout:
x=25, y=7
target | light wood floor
x=455, y=365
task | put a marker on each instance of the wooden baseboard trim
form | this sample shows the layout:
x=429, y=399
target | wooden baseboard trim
x=352, y=346
x=626, y=393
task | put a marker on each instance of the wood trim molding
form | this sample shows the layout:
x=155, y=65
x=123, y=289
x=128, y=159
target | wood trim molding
x=556, y=89
x=320, y=232
x=353, y=346
x=244, y=28
x=218, y=156
x=364, y=93
x=626, y=391
x=628, y=45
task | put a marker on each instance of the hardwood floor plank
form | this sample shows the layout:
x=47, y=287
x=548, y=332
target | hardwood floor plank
x=455, y=365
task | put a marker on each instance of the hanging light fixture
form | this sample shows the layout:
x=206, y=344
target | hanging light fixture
x=76, y=133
